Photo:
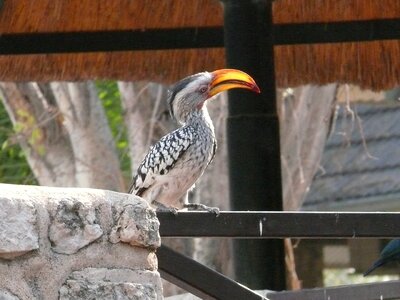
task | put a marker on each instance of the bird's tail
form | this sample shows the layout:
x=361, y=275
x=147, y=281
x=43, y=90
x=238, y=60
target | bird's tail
x=376, y=264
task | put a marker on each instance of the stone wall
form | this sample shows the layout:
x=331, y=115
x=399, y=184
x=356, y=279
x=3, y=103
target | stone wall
x=69, y=243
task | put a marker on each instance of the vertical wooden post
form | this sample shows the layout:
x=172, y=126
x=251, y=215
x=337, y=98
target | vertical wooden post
x=253, y=138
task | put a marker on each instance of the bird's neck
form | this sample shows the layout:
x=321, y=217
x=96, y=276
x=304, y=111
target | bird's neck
x=200, y=117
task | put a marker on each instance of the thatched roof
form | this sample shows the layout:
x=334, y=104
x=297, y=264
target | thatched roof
x=373, y=64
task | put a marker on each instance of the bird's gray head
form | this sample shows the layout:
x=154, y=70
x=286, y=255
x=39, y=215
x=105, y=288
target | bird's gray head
x=188, y=96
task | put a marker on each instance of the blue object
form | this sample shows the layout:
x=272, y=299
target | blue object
x=390, y=253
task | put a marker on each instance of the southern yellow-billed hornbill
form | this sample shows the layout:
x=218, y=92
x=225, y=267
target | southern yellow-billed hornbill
x=177, y=160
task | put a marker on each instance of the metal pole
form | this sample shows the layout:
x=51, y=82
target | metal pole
x=253, y=138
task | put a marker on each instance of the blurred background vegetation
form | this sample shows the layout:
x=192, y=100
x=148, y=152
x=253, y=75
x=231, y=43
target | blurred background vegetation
x=13, y=165
x=110, y=98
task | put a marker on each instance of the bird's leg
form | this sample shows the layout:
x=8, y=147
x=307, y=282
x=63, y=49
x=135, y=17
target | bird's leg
x=184, y=199
x=201, y=207
x=161, y=207
x=197, y=206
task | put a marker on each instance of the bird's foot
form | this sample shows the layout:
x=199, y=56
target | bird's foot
x=201, y=207
x=172, y=210
x=162, y=208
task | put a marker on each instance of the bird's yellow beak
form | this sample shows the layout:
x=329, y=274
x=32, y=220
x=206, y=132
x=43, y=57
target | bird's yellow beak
x=226, y=79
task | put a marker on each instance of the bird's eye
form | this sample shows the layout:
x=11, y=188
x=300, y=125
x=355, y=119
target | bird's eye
x=203, y=89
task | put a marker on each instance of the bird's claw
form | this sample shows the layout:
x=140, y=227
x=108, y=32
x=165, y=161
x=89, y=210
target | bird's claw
x=172, y=210
x=202, y=207
x=214, y=210
x=162, y=208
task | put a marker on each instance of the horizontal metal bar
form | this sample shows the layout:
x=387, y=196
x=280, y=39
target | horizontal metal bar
x=199, y=279
x=187, y=38
x=370, y=291
x=280, y=224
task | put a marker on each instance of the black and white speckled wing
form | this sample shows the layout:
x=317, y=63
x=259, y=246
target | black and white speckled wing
x=161, y=158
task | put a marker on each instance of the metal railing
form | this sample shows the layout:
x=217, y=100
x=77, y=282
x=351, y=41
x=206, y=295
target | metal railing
x=209, y=284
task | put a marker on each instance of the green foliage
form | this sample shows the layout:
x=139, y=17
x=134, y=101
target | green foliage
x=110, y=97
x=13, y=165
x=36, y=134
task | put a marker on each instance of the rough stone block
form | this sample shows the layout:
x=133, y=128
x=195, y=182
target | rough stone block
x=4, y=295
x=102, y=283
x=135, y=225
x=18, y=233
x=74, y=225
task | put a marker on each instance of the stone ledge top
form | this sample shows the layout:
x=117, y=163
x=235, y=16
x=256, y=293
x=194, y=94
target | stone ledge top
x=72, y=218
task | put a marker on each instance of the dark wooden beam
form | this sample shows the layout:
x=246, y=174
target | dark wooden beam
x=256, y=225
x=187, y=38
x=337, y=32
x=106, y=41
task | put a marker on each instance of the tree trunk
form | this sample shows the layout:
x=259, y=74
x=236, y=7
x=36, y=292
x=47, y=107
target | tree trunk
x=96, y=161
x=306, y=115
x=305, y=122
x=39, y=131
x=63, y=130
